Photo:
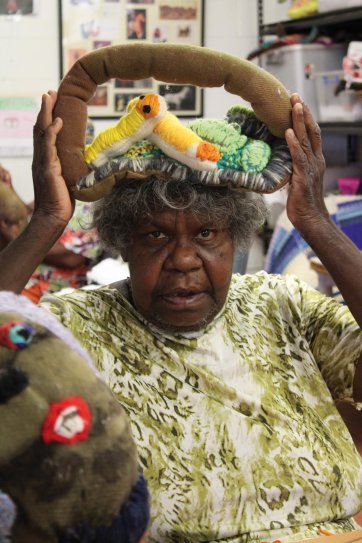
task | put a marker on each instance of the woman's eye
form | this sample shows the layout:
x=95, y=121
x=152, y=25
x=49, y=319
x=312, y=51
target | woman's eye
x=205, y=233
x=157, y=234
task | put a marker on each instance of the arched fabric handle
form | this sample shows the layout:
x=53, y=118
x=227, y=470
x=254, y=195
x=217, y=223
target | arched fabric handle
x=170, y=63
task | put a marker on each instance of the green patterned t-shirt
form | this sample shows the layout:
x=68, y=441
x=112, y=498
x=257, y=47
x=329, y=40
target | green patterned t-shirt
x=236, y=426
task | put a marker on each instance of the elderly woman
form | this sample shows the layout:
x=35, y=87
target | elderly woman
x=230, y=382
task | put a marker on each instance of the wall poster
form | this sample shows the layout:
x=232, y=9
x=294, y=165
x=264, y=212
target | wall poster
x=86, y=25
x=17, y=117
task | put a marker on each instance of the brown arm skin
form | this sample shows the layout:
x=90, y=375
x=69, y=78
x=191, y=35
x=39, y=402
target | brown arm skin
x=53, y=205
x=58, y=255
x=353, y=420
x=307, y=211
x=357, y=389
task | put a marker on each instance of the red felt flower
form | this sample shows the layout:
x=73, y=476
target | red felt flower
x=68, y=421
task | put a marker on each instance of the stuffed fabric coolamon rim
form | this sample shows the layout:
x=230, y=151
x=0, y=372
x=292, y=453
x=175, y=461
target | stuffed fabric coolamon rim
x=246, y=150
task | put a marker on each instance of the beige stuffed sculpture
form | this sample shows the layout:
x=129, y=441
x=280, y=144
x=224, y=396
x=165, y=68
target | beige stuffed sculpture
x=149, y=140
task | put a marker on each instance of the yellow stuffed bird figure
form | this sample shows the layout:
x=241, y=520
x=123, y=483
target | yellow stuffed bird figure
x=147, y=117
x=182, y=144
x=142, y=115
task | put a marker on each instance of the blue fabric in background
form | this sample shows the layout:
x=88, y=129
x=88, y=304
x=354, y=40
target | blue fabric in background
x=286, y=242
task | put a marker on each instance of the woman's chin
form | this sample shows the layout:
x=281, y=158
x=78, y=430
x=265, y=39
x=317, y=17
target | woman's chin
x=183, y=321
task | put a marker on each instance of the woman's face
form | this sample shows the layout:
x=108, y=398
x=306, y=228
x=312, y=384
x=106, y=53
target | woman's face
x=180, y=268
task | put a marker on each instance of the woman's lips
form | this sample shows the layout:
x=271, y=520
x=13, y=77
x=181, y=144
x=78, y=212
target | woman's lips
x=183, y=297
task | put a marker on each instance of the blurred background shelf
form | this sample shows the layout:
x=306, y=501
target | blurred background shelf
x=341, y=26
x=347, y=20
x=350, y=128
x=309, y=60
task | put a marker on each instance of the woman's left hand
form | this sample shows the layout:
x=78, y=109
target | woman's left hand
x=305, y=204
x=308, y=213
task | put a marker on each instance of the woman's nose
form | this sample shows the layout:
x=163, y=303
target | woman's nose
x=183, y=257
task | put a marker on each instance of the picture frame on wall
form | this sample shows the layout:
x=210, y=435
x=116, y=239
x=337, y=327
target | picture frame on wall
x=16, y=8
x=86, y=25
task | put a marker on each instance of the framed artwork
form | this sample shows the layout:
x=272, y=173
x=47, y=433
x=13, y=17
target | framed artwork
x=17, y=7
x=86, y=25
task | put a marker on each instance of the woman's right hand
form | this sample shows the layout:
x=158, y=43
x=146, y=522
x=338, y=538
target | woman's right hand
x=53, y=205
x=52, y=199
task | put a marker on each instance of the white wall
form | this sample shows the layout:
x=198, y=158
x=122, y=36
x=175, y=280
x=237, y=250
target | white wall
x=231, y=27
x=29, y=59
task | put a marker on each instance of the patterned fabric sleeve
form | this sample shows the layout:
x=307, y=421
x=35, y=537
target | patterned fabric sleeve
x=335, y=339
x=61, y=309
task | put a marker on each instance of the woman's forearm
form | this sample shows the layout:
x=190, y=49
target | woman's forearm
x=341, y=258
x=21, y=257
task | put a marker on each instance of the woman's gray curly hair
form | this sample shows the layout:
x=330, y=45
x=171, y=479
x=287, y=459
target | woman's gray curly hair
x=116, y=215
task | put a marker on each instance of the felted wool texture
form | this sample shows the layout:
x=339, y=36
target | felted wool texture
x=14, y=303
x=59, y=485
x=262, y=165
x=230, y=139
x=184, y=145
x=129, y=527
x=137, y=123
x=172, y=63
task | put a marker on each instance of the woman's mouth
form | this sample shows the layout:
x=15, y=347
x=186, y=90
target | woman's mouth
x=183, y=297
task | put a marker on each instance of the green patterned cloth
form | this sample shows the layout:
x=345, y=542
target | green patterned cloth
x=236, y=427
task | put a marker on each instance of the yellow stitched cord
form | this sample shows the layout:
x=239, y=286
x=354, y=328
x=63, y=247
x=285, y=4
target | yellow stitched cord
x=147, y=116
x=174, y=134
x=143, y=112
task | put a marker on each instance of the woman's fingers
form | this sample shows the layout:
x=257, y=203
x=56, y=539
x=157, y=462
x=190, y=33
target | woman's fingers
x=40, y=125
x=45, y=126
x=51, y=155
x=300, y=130
x=314, y=132
x=306, y=128
x=45, y=115
x=304, y=141
x=295, y=99
x=51, y=195
x=301, y=164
